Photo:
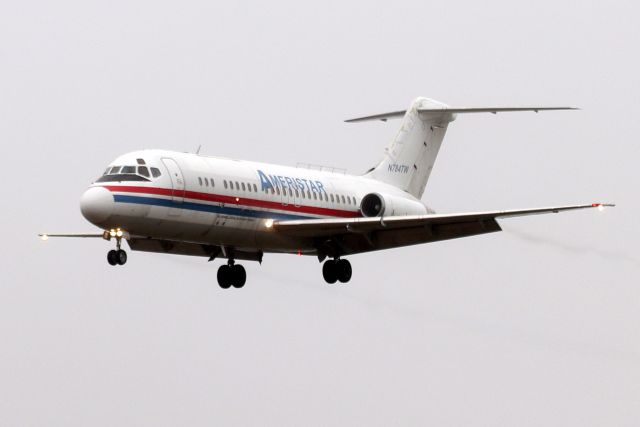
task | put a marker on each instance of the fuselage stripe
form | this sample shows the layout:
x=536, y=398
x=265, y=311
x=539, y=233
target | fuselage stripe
x=235, y=204
x=201, y=207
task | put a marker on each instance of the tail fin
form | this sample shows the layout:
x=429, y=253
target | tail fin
x=410, y=157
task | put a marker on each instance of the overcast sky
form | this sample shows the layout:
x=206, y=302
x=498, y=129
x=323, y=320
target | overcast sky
x=538, y=325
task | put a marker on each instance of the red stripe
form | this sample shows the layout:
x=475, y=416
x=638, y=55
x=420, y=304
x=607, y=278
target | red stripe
x=219, y=198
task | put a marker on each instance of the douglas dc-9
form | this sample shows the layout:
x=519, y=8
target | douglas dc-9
x=189, y=204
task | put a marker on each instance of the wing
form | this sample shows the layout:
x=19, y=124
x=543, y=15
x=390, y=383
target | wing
x=336, y=237
x=45, y=236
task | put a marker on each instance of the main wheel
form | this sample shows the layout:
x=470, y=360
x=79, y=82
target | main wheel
x=112, y=257
x=329, y=271
x=121, y=257
x=344, y=270
x=239, y=276
x=224, y=276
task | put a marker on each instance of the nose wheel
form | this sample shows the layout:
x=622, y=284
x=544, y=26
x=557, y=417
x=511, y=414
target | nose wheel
x=231, y=274
x=334, y=270
x=117, y=256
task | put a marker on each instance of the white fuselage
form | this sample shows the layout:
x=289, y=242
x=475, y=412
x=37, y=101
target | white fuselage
x=225, y=202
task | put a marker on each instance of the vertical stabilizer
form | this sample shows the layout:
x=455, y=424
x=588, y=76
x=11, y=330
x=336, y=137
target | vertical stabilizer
x=410, y=157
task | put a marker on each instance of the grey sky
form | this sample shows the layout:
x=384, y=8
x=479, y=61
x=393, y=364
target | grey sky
x=538, y=325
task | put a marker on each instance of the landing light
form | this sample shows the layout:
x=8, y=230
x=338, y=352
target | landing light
x=44, y=237
x=112, y=233
x=268, y=223
x=119, y=233
x=600, y=208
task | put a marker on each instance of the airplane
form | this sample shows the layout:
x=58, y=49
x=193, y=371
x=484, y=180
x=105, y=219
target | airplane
x=191, y=204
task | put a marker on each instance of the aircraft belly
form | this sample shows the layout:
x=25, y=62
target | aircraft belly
x=238, y=231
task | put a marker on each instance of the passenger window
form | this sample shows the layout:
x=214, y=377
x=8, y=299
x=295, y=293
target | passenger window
x=142, y=170
x=297, y=195
x=212, y=183
x=278, y=190
x=243, y=188
x=332, y=198
x=326, y=197
x=231, y=184
x=200, y=181
x=315, y=196
x=237, y=186
x=255, y=189
x=225, y=183
x=343, y=199
x=206, y=182
x=155, y=172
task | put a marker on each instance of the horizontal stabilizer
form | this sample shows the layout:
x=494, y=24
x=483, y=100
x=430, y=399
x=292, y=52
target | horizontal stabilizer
x=455, y=110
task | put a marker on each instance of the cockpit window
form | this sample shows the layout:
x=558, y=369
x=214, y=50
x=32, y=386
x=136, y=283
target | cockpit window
x=128, y=169
x=140, y=161
x=155, y=172
x=143, y=170
x=126, y=173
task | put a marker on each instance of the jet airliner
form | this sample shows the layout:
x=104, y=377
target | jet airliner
x=190, y=204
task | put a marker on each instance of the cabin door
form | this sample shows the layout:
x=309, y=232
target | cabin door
x=177, y=185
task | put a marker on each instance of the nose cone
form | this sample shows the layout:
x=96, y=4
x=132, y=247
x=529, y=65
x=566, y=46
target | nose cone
x=96, y=205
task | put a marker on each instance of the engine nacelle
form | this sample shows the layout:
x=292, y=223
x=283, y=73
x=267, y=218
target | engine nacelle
x=376, y=204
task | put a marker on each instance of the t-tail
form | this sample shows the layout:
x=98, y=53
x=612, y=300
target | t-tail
x=409, y=159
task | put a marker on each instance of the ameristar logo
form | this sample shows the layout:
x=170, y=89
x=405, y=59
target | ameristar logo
x=269, y=182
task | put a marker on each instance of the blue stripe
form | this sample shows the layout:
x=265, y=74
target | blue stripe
x=224, y=209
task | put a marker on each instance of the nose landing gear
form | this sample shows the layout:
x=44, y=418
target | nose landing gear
x=334, y=270
x=231, y=274
x=117, y=256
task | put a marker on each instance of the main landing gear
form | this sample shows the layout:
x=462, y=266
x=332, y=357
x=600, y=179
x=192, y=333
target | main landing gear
x=117, y=256
x=231, y=274
x=335, y=270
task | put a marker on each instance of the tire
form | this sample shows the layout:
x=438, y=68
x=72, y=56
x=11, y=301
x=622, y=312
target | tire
x=121, y=257
x=112, y=257
x=329, y=271
x=224, y=276
x=344, y=270
x=239, y=276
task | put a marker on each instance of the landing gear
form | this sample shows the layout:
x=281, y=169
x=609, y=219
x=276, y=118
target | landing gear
x=335, y=270
x=231, y=274
x=117, y=256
